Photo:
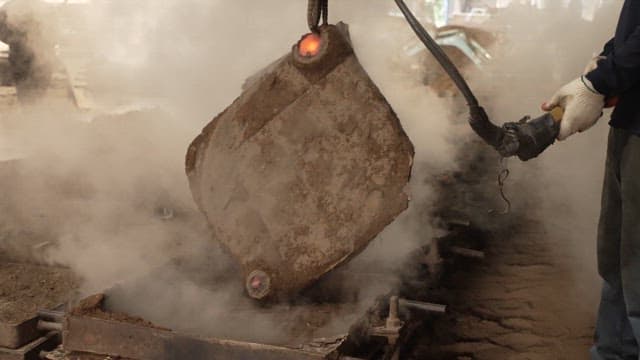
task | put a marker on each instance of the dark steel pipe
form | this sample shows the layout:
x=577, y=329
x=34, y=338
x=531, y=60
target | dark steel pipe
x=419, y=305
x=49, y=326
x=478, y=119
x=54, y=315
x=469, y=253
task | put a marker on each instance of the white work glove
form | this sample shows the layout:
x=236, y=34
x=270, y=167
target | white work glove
x=593, y=64
x=582, y=106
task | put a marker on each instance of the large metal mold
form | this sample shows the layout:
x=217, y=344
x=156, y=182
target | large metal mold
x=134, y=338
x=13, y=336
x=303, y=170
x=32, y=350
x=107, y=337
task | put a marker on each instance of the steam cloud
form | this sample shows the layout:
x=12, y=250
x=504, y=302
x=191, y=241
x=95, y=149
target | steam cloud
x=159, y=71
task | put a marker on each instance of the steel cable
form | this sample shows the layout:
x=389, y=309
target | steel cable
x=439, y=54
x=317, y=10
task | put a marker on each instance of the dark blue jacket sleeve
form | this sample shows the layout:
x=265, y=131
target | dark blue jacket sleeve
x=621, y=69
x=608, y=48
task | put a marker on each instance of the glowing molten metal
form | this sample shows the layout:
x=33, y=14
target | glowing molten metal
x=310, y=44
x=256, y=283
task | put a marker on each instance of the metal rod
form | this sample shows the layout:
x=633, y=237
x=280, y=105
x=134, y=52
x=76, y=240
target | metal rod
x=469, y=253
x=317, y=10
x=313, y=14
x=394, y=304
x=393, y=320
x=49, y=326
x=325, y=12
x=57, y=316
x=458, y=222
x=428, y=307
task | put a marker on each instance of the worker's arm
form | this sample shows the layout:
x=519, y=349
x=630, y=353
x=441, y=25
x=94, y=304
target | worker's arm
x=584, y=98
x=593, y=63
x=620, y=70
x=608, y=48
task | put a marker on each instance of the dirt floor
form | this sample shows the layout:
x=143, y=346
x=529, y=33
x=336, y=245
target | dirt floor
x=525, y=301
x=26, y=288
x=518, y=304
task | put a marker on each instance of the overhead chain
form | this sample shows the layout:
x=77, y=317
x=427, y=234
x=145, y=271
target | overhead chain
x=316, y=11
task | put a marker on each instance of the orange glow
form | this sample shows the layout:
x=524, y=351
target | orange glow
x=256, y=282
x=309, y=46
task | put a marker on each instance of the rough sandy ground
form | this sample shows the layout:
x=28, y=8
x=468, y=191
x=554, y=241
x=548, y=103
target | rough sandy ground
x=525, y=301
x=27, y=288
x=520, y=303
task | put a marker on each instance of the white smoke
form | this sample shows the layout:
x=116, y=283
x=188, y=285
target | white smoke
x=97, y=191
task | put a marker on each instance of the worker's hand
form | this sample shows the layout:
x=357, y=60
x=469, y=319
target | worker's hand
x=582, y=106
x=593, y=64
